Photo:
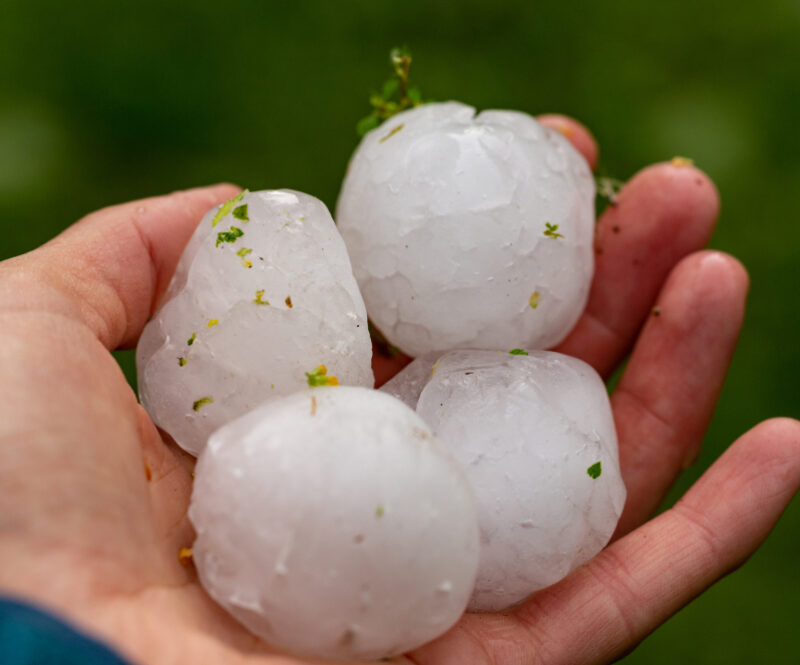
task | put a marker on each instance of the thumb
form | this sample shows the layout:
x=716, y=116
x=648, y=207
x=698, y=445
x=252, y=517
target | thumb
x=109, y=269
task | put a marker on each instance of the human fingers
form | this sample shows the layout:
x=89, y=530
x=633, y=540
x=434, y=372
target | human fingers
x=109, y=269
x=665, y=398
x=579, y=136
x=386, y=365
x=664, y=213
x=607, y=606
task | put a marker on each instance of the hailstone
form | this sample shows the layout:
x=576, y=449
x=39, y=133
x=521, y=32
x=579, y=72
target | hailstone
x=263, y=294
x=469, y=231
x=332, y=523
x=534, y=434
x=408, y=383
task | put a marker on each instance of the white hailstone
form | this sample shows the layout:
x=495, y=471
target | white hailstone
x=535, y=436
x=469, y=231
x=407, y=384
x=332, y=523
x=263, y=293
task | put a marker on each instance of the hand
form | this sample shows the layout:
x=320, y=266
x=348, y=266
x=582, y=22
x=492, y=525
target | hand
x=678, y=311
x=94, y=500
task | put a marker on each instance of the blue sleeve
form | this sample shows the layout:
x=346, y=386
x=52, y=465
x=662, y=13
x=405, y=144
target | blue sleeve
x=29, y=636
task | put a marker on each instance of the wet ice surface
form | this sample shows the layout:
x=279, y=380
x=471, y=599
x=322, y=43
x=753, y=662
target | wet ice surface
x=526, y=431
x=261, y=295
x=446, y=222
x=408, y=384
x=331, y=522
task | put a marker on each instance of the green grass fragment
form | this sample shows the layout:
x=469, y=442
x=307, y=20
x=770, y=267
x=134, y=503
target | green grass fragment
x=227, y=207
x=595, y=470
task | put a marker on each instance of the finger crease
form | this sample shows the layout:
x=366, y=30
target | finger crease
x=144, y=239
x=618, y=342
x=610, y=572
x=480, y=646
x=699, y=523
x=528, y=620
x=642, y=405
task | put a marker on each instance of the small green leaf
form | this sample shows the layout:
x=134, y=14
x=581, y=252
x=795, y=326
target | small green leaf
x=240, y=212
x=319, y=377
x=367, y=124
x=595, y=470
x=243, y=252
x=395, y=95
x=389, y=109
x=400, y=57
x=518, y=352
x=608, y=188
x=259, y=299
x=391, y=133
x=227, y=207
x=229, y=236
x=551, y=231
x=181, y=361
x=390, y=87
x=200, y=403
x=380, y=511
x=190, y=341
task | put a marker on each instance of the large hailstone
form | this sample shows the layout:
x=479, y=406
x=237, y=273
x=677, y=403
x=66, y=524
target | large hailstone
x=263, y=293
x=535, y=436
x=469, y=231
x=332, y=523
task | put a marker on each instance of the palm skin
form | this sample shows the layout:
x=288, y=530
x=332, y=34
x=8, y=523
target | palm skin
x=94, y=500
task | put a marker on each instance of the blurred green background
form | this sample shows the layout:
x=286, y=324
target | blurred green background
x=104, y=102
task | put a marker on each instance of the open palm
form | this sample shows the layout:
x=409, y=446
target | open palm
x=93, y=500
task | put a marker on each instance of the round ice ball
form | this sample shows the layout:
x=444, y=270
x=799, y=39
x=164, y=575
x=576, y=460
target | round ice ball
x=535, y=436
x=469, y=231
x=332, y=523
x=263, y=294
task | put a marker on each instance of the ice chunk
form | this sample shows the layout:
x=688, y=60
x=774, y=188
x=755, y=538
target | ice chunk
x=263, y=293
x=469, y=231
x=332, y=523
x=407, y=384
x=535, y=437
